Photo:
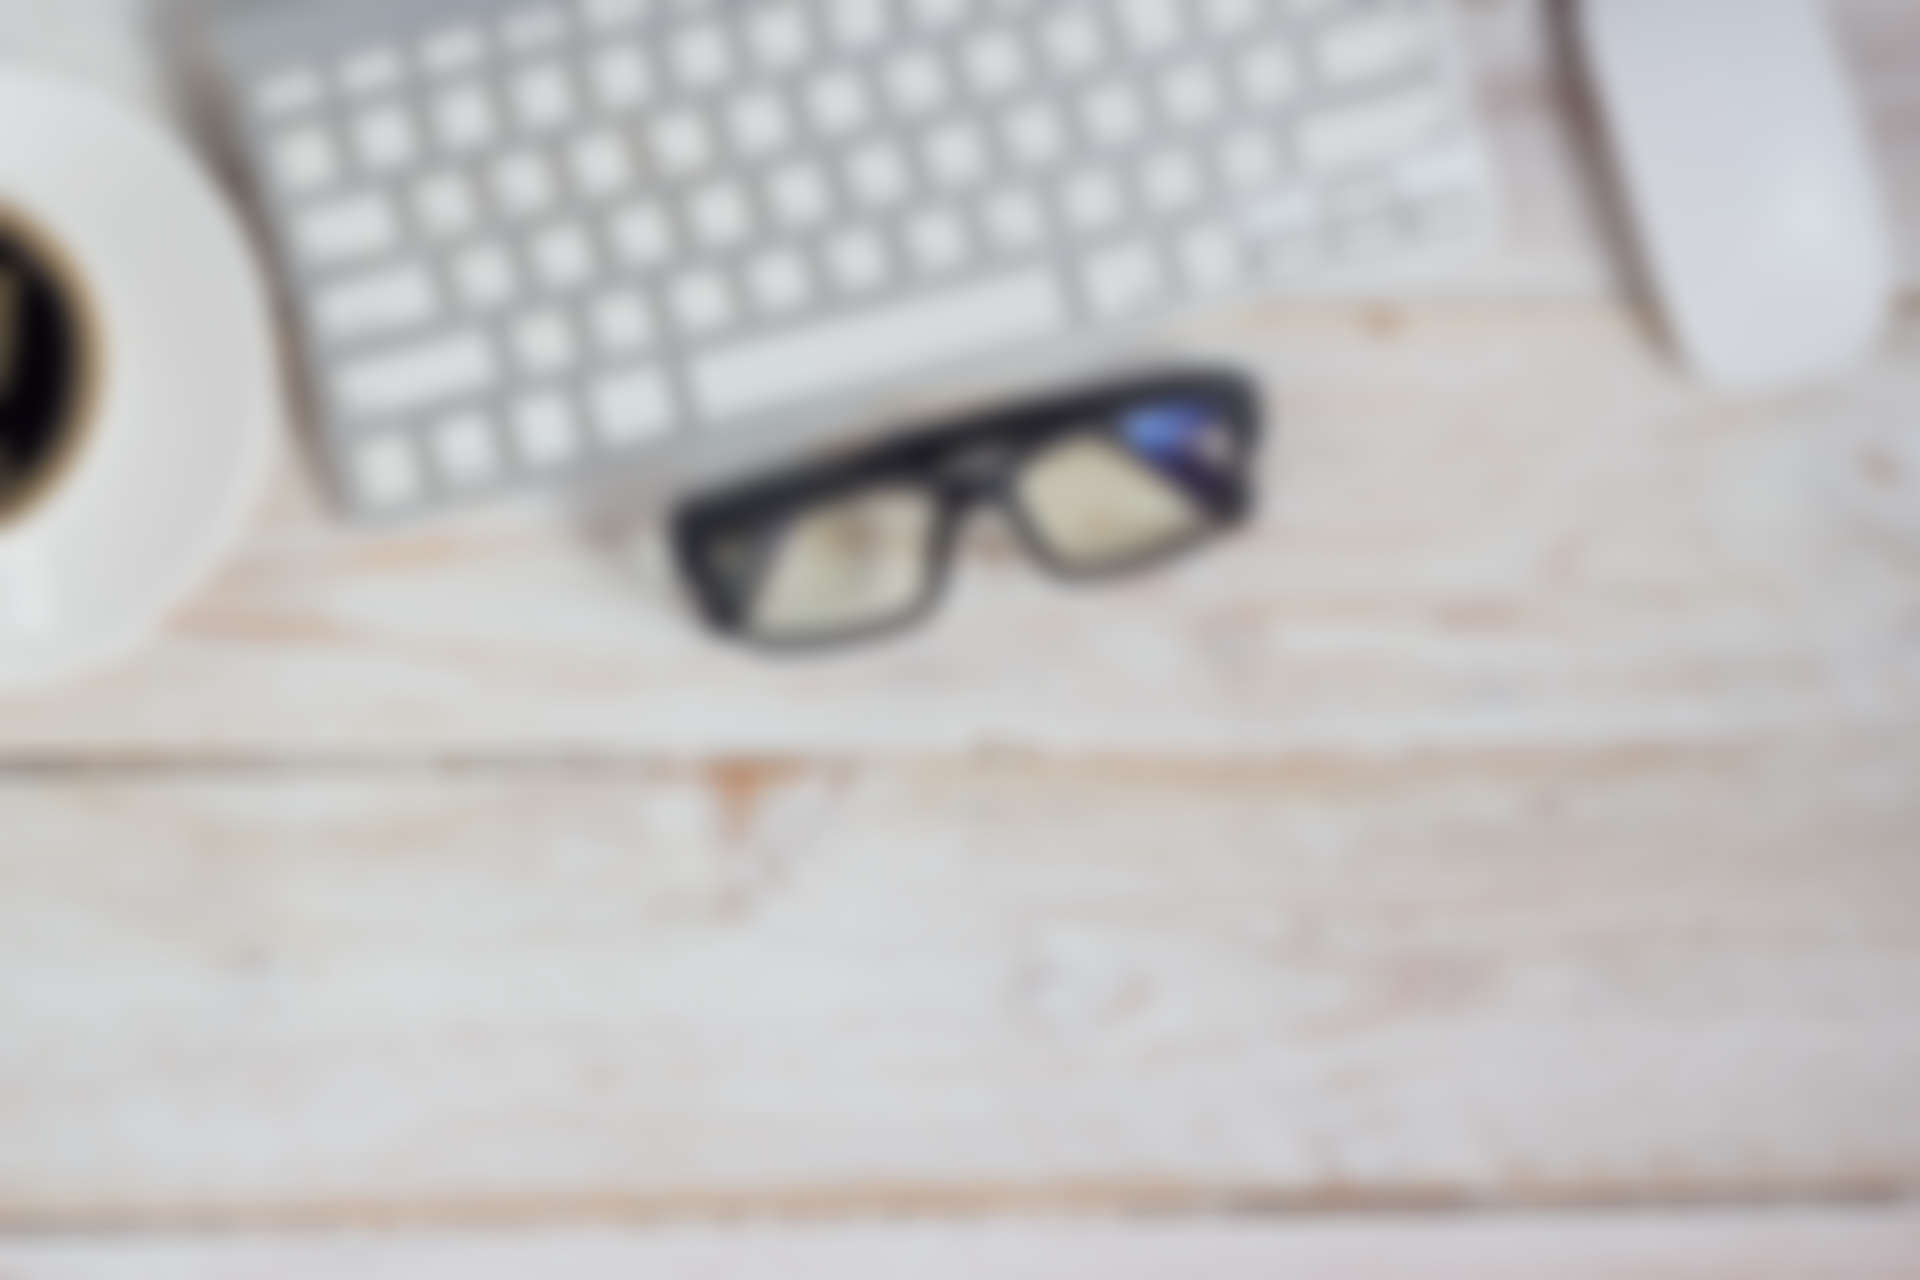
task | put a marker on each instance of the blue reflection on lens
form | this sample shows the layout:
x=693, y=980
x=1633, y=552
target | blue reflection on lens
x=1185, y=441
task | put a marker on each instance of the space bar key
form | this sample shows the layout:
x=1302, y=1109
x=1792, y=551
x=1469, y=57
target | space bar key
x=886, y=342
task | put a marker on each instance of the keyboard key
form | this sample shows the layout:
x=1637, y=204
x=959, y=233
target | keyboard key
x=1375, y=45
x=1210, y=256
x=306, y=159
x=1248, y=158
x=351, y=227
x=621, y=77
x=289, y=92
x=543, y=98
x=1113, y=114
x=937, y=15
x=701, y=301
x=1230, y=18
x=523, y=184
x=611, y=15
x=386, y=138
x=564, y=256
x=417, y=376
x=858, y=25
x=543, y=342
x=916, y=83
x=779, y=281
x=1458, y=168
x=465, y=119
x=1357, y=135
x=1015, y=220
x=642, y=235
x=1172, y=181
x=858, y=260
x=720, y=215
x=838, y=103
x=998, y=313
x=1284, y=213
x=1459, y=219
x=453, y=49
x=386, y=471
x=465, y=449
x=1296, y=259
x=1074, y=42
x=702, y=56
x=376, y=302
x=534, y=29
x=1091, y=200
x=780, y=37
x=682, y=143
x=1124, y=280
x=760, y=123
x=1190, y=93
x=878, y=176
x=485, y=276
x=996, y=64
x=634, y=405
x=938, y=241
x=600, y=163
x=1036, y=134
x=371, y=71
x=1366, y=239
x=1355, y=201
x=956, y=154
x=444, y=205
x=1269, y=75
x=546, y=429
x=800, y=195
x=1151, y=25
x=621, y=322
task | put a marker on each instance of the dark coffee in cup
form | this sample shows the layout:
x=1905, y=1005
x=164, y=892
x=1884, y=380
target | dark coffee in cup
x=47, y=359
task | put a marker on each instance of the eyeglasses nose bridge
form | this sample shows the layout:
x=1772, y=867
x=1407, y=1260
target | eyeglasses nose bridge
x=978, y=473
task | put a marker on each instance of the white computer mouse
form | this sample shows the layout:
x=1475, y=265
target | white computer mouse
x=1746, y=166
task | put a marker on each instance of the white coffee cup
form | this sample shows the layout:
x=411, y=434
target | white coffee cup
x=51, y=364
x=180, y=396
x=27, y=599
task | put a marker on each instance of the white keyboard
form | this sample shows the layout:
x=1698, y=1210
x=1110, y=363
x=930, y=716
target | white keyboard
x=526, y=239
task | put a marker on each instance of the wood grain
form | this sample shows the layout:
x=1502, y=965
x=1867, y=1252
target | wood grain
x=1781, y=1245
x=461, y=996
x=1487, y=523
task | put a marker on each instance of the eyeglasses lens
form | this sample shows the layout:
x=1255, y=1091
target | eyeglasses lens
x=854, y=563
x=1119, y=492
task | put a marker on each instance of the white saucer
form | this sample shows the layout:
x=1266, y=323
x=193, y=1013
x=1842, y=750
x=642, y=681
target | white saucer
x=190, y=403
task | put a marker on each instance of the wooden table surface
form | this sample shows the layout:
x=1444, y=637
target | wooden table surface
x=1505, y=860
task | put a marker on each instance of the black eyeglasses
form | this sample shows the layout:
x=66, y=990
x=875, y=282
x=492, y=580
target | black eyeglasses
x=1096, y=483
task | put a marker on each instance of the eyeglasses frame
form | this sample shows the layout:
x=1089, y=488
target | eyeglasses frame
x=964, y=463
